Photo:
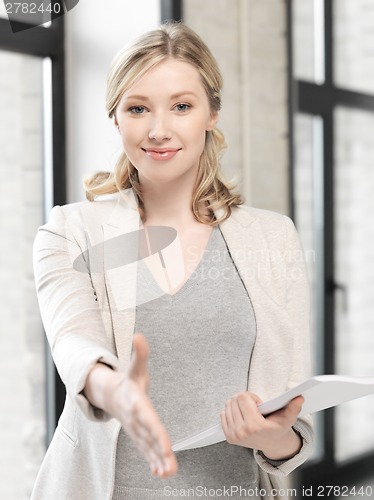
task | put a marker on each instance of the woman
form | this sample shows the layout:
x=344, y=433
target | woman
x=217, y=289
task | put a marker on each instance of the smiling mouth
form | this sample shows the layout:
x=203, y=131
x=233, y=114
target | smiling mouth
x=161, y=154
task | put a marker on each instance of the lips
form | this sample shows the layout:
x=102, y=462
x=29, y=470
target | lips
x=161, y=154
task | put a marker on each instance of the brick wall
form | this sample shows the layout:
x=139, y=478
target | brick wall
x=354, y=44
x=22, y=421
x=354, y=203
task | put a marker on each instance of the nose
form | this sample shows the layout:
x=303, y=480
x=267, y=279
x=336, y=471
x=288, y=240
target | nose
x=159, y=128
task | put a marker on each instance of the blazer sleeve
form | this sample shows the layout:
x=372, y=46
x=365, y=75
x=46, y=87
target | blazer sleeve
x=69, y=308
x=297, y=302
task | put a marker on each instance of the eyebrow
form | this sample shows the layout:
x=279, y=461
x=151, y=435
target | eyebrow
x=174, y=96
x=180, y=94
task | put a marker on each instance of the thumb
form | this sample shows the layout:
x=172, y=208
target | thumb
x=138, y=370
x=296, y=405
x=289, y=412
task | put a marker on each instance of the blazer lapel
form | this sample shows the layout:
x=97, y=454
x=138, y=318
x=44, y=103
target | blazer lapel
x=120, y=269
x=241, y=243
x=261, y=270
x=248, y=246
x=125, y=243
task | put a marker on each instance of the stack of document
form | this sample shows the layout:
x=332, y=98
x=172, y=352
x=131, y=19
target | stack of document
x=320, y=392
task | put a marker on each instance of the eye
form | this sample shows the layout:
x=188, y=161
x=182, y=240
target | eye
x=137, y=110
x=182, y=107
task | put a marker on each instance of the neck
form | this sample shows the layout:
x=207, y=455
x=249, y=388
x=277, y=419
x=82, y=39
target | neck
x=168, y=204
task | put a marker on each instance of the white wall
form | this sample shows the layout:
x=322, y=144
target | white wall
x=95, y=31
x=248, y=39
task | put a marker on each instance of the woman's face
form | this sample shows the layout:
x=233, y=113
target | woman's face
x=163, y=119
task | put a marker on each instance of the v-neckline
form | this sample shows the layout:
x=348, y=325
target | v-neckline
x=189, y=282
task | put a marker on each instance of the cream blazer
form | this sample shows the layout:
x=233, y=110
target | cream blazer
x=90, y=317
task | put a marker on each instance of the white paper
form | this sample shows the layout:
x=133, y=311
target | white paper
x=320, y=392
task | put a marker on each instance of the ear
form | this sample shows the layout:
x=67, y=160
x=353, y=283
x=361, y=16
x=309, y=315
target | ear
x=212, y=121
x=116, y=122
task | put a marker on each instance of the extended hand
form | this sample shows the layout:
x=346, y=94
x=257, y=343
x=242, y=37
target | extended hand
x=125, y=397
x=244, y=425
x=138, y=416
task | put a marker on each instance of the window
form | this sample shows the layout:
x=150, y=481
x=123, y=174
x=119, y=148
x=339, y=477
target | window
x=32, y=179
x=332, y=119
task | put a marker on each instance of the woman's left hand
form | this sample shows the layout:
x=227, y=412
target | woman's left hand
x=244, y=425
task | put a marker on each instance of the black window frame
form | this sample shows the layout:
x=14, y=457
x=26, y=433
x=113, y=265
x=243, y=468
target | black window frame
x=47, y=42
x=321, y=99
x=171, y=10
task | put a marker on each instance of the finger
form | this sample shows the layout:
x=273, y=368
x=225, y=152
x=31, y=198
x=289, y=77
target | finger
x=158, y=444
x=149, y=428
x=153, y=441
x=234, y=420
x=248, y=405
x=229, y=415
x=224, y=424
x=256, y=398
x=143, y=424
x=294, y=407
x=170, y=464
x=142, y=436
x=287, y=416
x=236, y=411
x=167, y=462
x=241, y=408
x=138, y=366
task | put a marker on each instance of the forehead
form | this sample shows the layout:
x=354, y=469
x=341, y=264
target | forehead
x=169, y=76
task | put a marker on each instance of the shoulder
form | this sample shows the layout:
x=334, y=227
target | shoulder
x=75, y=220
x=246, y=215
x=101, y=207
x=85, y=213
x=258, y=213
x=275, y=228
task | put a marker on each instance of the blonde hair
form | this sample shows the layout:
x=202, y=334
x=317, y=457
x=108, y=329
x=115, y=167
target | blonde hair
x=170, y=40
